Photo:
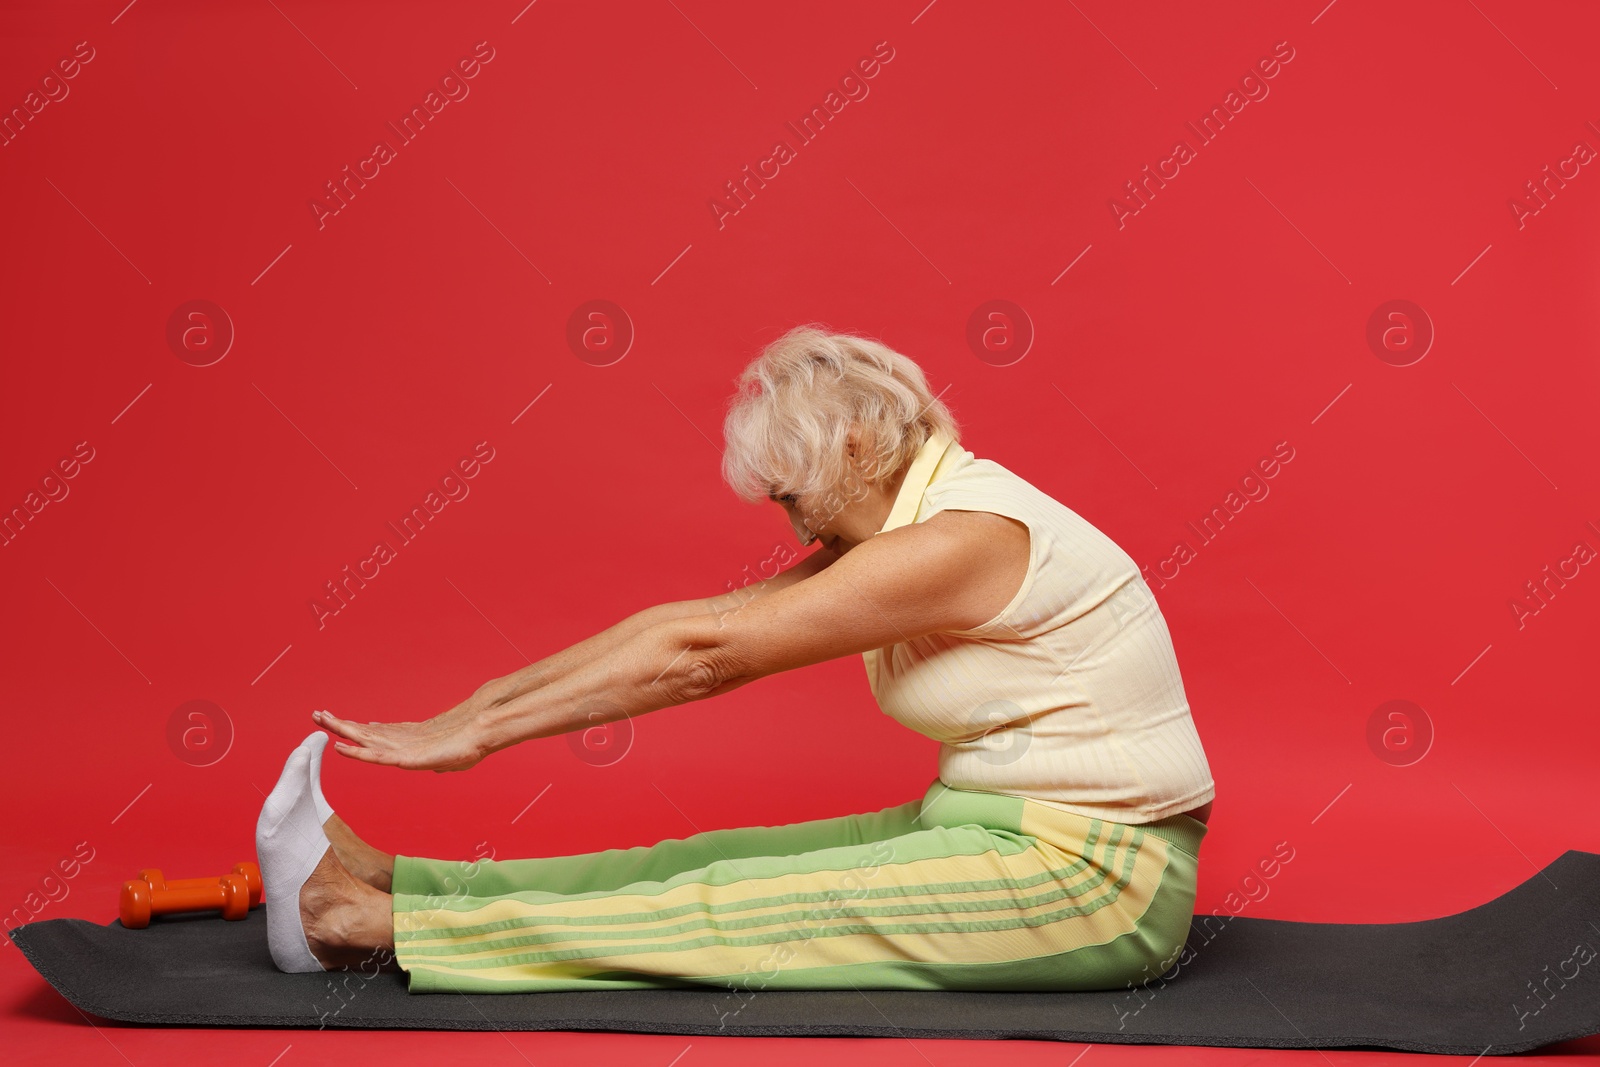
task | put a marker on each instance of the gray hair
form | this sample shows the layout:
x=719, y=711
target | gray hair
x=787, y=424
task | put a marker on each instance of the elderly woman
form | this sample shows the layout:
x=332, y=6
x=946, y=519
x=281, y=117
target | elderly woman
x=1056, y=850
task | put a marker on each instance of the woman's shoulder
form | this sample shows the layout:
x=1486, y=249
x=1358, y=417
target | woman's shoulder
x=977, y=479
x=983, y=484
x=1072, y=562
x=971, y=473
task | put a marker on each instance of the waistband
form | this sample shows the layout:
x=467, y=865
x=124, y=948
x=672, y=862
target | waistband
x=1184, y=831
x=943, y=805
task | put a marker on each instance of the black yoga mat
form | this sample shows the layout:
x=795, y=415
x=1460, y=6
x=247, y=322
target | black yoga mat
x=1510, y=975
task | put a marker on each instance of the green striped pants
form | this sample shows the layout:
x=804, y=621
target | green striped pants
x=956, y=890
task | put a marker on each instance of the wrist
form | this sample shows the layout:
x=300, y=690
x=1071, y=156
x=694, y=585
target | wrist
x=492, y=725
x=516, y=684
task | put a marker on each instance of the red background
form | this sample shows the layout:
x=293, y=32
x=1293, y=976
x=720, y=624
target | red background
x=1228, y=314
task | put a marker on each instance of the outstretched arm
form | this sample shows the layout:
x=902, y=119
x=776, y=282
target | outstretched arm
x=953, y=571
x=558, y=665
x=443, y=735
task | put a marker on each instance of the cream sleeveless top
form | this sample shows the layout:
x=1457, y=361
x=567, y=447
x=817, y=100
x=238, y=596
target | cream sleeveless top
x=1071, y=695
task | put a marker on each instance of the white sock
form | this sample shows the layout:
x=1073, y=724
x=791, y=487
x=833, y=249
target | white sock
x=289, y=845
x=315, y=744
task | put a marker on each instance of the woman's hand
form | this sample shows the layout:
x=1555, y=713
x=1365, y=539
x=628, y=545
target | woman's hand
x=450, y=741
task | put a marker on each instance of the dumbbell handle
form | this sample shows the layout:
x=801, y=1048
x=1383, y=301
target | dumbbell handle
x=189, y=897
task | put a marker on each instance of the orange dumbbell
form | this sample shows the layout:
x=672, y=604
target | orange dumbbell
x=150, y=894
x=248, y=871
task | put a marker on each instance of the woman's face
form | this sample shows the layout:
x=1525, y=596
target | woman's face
x=790, y=502
x=829, y=518
x=844, y=517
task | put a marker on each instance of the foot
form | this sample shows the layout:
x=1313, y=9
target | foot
x=290, y=845
x=347, y=922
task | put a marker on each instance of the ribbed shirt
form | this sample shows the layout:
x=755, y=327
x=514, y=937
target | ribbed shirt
x=1071, y=695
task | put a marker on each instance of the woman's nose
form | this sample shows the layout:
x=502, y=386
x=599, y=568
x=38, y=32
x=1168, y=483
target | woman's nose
x=801, y=530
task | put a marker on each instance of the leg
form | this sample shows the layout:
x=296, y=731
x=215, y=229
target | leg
x=608, y=867
x=347, y=923
x=346, y=914
x=984, y=891
x=367, y=864
x=614, y=868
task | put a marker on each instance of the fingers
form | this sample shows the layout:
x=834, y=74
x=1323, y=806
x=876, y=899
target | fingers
x=403, y=758
x=382, y=744
x=411, y=746
x=368, y=747
x=365, y=755
x=348, y=730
